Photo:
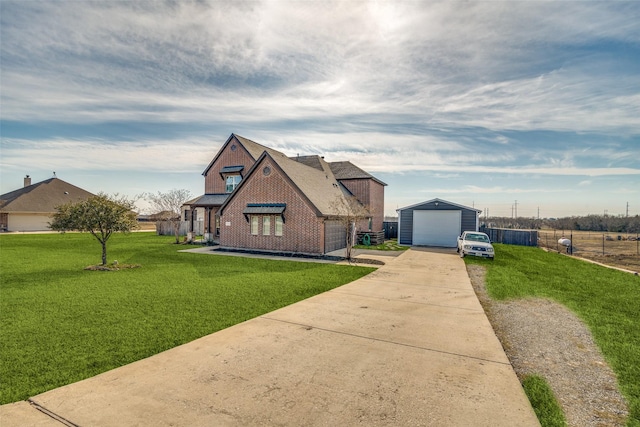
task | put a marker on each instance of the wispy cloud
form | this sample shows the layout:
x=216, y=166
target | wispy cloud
x=447, y=88
x=477, y=190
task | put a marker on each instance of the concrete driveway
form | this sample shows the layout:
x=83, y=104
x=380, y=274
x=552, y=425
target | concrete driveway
x=407, y=345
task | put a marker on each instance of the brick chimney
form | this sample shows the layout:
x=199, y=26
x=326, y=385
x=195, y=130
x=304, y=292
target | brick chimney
x=27, y=181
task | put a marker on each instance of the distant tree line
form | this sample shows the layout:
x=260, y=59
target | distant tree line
x=603, y=223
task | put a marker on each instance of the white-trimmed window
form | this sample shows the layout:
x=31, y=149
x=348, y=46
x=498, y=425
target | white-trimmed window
x=266, y=225
x=254, y=225
x=232, y=182
x=278, y=226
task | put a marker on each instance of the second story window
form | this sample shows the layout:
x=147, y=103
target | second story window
x=232, y=182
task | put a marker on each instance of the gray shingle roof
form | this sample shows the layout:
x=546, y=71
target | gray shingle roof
x=311, y=161
x=319, y=186
x=256, y=149
x=42, y=197
x=315, y=178
x=265, y=208
x=341, y=170
x=229, y=169
x=208, y=200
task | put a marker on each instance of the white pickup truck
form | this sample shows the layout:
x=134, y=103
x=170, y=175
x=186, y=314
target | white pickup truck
x=476, y=244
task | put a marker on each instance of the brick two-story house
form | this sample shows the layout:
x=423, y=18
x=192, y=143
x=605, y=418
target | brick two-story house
x=258, y=198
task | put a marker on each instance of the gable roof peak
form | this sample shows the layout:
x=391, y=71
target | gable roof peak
x=317, y=185
x=254, y=149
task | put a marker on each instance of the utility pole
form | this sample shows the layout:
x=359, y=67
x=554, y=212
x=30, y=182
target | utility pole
x=627, y=209
x=538, y=212
x=516, y=208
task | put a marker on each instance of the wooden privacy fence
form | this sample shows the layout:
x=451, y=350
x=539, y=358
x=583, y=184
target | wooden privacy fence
x=165, y=228
x=390, y=229
x=512, y=237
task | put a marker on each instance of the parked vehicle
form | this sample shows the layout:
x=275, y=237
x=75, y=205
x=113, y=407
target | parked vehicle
x=475, y=244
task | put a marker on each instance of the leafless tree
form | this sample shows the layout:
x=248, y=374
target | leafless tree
x=351, y=214
x=168, y=207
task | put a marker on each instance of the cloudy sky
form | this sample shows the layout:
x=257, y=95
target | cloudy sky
x=479, y=103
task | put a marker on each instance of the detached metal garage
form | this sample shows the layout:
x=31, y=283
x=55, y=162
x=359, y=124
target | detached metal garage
x=435, y=223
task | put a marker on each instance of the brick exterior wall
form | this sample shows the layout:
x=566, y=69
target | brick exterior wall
x=376, y=202
x=213, y=183
x=303, y=231
x=371, y=194
x=359, y=188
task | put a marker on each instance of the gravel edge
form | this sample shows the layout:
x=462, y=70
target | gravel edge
x=545, y=338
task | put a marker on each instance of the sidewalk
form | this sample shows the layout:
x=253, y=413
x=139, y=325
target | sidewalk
x=407, y=345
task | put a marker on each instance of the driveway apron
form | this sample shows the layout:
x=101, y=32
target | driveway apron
x=406, y=345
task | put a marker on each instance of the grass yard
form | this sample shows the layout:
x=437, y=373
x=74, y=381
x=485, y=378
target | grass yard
x=544, y=403
x=61, y=323
x=388, y=245
x=608, y=301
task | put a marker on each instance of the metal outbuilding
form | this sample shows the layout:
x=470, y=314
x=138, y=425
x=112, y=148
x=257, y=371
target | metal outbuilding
x=435, y=222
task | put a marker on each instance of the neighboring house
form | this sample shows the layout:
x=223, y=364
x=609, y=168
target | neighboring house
x=258, y=198
x=435, y=222
x=31, y=208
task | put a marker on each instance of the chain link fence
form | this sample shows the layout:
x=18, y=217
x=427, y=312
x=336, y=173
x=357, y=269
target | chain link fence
x=591, y=242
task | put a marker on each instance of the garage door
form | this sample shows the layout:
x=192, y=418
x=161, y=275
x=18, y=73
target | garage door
x=28, y=222
x=436, y=228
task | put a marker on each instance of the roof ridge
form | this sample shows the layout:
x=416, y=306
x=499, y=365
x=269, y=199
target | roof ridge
x=24, y=190
x=261, y=148
x=322, y=193
x=38, y=198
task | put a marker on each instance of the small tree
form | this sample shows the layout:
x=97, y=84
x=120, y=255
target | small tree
x=169, y=207
x=100, y=215
x=350, y=212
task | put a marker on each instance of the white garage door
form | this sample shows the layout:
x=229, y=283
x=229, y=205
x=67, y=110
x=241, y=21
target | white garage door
x=28, y=222
x=436, y=228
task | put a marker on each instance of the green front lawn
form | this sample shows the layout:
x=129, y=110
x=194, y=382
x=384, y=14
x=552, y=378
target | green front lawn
x=388, y=245
x=544, y=402
x=608, y=301
x=61, y=323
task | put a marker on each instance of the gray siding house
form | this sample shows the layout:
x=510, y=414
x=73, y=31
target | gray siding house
x=435, y=222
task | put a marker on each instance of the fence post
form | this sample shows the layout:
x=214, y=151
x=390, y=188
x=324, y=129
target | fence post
x=571, y=245
x=603, y=245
